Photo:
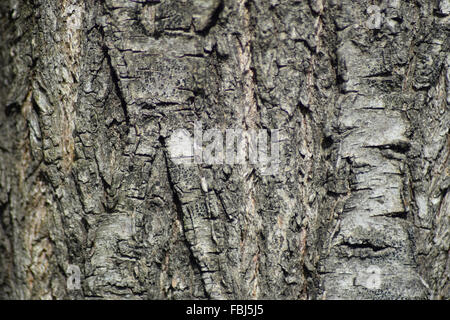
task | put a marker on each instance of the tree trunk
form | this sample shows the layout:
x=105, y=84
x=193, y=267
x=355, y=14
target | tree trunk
x=92, y=93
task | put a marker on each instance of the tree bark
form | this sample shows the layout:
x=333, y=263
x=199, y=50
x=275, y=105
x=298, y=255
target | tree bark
x=92, y=91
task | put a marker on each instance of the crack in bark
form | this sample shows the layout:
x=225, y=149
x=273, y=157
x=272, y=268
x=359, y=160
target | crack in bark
x=180, y=216
x=116, y=83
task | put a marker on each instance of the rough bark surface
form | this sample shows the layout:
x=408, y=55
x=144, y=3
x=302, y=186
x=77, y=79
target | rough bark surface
x=91, y=91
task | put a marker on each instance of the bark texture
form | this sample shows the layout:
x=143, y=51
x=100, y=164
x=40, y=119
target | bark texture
x=91, y=91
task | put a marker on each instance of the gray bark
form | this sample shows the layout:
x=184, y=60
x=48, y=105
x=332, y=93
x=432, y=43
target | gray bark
x=91, y=92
